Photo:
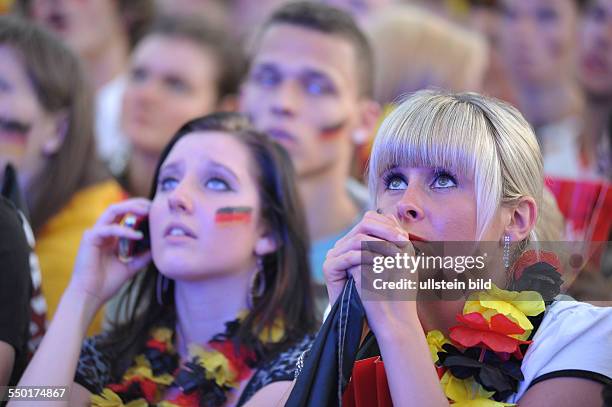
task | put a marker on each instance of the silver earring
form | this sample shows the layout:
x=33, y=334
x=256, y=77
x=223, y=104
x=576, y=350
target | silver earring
x=506, y=251
x=258, y=283
x=161, y=286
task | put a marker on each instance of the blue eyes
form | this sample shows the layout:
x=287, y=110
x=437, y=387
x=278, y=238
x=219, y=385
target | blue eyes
x=546, y=15
x=444, y=181
x=138, y=74
x=217, y=184
x=312, y=84
x=172, y=82
x=397, y=182
x=166, y=184
x=266, y=77
x=542, y=14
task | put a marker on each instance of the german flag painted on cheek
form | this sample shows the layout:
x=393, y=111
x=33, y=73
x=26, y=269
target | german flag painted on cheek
x=233, y=214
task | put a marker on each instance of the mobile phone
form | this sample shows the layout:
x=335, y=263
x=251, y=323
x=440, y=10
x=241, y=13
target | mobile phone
x=128, y=248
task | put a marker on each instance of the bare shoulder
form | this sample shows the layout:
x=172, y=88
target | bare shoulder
x=564, y=392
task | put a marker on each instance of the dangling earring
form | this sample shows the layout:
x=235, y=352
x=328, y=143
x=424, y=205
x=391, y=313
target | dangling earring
x=161, y=286
x=506, y=251
x=258, y=283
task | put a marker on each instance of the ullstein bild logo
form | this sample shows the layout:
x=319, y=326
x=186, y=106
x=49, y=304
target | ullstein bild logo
x=435, y=270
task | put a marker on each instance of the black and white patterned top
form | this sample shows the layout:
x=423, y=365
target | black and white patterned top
x=93, y=370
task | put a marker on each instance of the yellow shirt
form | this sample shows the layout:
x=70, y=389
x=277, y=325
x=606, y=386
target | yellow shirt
x=58, y=242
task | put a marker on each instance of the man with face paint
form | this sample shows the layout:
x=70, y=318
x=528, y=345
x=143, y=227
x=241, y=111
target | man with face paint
x=309, y=86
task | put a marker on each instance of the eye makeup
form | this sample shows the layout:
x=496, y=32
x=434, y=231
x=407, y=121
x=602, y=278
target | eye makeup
x=230, y=215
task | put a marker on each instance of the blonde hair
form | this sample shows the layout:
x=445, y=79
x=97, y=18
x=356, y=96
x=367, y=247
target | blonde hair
x=466, y=133
x=415, y=49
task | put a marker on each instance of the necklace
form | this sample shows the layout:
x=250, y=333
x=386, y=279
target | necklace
x=211, y=372
x=479, y=364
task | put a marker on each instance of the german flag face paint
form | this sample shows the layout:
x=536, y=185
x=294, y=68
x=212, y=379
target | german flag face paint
x=231, y=215
x=333, y=131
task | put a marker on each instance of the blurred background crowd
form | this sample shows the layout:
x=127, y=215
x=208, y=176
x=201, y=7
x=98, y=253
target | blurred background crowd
x=151, y=65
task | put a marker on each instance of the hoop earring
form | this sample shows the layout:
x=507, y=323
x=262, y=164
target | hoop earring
x=257, y=287
x=161, y=286
x=506, y=251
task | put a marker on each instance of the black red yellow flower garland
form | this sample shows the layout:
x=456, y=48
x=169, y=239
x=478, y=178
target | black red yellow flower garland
x=212, y=370
x=479, y=365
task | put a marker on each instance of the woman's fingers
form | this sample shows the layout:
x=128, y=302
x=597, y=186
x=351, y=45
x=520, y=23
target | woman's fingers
x=379, y=226
x=336, y=266
x=100, y=234
x=362, y=241
x=137, y=206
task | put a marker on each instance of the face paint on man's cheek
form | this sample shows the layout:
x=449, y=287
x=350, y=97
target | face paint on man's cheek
x=233, y=215
x=14, y=131
x=333, y=130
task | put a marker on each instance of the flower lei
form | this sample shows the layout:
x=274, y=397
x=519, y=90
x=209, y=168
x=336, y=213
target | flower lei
x=211, y=372
x=479, y=365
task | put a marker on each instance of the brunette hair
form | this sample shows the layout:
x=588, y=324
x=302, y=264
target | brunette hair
x=60, y=85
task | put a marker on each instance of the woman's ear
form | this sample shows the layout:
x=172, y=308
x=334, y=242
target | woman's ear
x=54, y=143
x=523, y=218
x=265, y=245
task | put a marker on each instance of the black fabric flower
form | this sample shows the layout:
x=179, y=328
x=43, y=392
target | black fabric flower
x=212, y=396
x=541, y=277
x=493, y=373
x=161, y=362
x=191, y=377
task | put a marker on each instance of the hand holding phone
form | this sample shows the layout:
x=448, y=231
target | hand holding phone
x=128, y=248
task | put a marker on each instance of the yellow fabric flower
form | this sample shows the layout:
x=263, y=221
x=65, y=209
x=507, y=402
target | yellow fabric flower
x=514, y=305
x=109, y=398
x=459, y=390
x=164, y=335
x=216, y=365
x=481, y=403
x=435, y=340
x=142, y=369
x=274, y=333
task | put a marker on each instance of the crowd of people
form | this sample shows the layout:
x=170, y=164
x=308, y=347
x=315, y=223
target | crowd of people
x=259, y=148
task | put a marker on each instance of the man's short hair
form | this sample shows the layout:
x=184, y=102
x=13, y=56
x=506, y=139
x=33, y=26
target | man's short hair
x=329, y=20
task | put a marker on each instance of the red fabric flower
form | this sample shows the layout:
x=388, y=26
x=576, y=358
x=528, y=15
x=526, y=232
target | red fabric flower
x=531, y=257
x=187, y=400
x=476, y=330
x=155, y=344
x=148, y=387
x=237, y=360
x=440, y=370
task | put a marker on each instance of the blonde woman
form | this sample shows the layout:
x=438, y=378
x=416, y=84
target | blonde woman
x=461, y=167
